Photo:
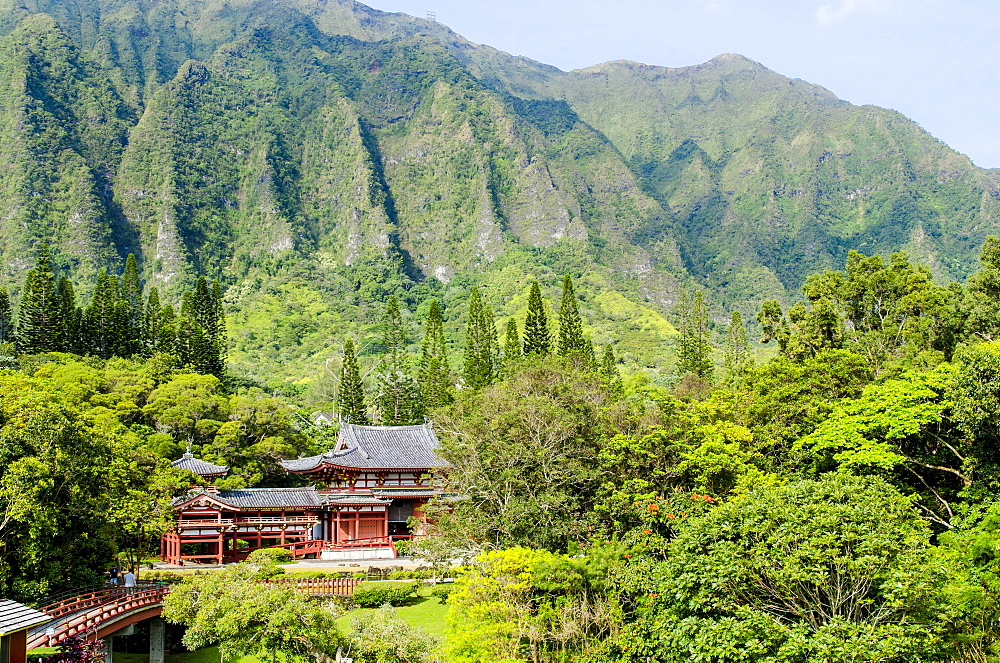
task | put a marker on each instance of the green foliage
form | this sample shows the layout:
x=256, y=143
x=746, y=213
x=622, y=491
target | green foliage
x=737, y=356
x=571, y=340
x=384, y=637
x=265, y=556
x=523, y=451
x=839, y=569
x=521, y=604
x=537, y=339
x=350, y=392
x=482, y=361
x=377, y=594
x=694, y=347
x=39, y=326
x=434, y=373
x=248, y=617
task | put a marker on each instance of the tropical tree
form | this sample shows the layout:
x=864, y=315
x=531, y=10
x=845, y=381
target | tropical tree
x=839, y=570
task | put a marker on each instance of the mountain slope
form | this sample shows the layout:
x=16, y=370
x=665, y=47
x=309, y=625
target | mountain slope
x=317, y=155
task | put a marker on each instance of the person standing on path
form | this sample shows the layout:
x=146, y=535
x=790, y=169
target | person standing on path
x=113, y=576
x=130, y=578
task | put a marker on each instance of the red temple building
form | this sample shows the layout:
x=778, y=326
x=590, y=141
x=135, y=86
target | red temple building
x=365, y=491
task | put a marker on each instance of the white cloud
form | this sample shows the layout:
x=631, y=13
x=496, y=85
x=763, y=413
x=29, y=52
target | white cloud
x=838, y=11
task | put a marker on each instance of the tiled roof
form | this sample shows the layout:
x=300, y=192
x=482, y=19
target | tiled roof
x=16, y=617
x=404, y=492
x=355, y=499
x=263, y=498
x=377, y=447
x=271, y=497
x=189, y=462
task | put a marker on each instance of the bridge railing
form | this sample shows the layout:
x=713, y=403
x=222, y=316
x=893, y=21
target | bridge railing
x=79, y=599
x=318, y=586
x=114, y=603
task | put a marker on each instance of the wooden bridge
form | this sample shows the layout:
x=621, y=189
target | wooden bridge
x=100, y=611
x=103, y=612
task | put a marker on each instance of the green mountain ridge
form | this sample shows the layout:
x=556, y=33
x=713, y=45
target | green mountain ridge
x=317, y=156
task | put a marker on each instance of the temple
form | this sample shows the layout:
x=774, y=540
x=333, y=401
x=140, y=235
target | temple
x=364, y=492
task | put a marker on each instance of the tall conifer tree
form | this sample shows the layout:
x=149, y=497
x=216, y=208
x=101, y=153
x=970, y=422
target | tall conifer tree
x=512, y=342
x=6, y=318
x=481, y=361
x=537, y=340
x=398, y=398
x=103, y=326
x=737, y=350
x=571, y=339
x=201, y=335
x=39, y=327
x=694, y=350
x=609, y=371
x=435, y=374
x=351, y=394
x=70, y=341
x=130, y=294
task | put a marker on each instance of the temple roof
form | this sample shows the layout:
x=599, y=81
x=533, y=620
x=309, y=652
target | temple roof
x=377, y=447
x=355, y=499
x=198, y=466
x=260, y=498
x=15, y=617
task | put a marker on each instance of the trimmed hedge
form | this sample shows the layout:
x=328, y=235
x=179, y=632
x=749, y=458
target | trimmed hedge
x=377, y=594
x=443, y=592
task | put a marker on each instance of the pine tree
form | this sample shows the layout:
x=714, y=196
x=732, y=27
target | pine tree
x=130, y=294
x=693, y=347
x=69, y=340
x=571, y=339
x=201, y=335
x=609, y=371
x=481, y=361
x=104, y=331
x=589, y=356
x=435, y=374
x=39, y=326
x=512, y=342
x=737, y=350
x=351, y=395
x=397, y=399
x=6, y=318
x=537, y=340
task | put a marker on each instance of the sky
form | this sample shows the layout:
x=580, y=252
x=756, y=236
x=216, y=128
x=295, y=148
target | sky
x=935, y=61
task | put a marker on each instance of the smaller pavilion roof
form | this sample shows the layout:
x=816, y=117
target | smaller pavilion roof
x=259, y=498
x=15, y=617
x=198, y=466
x=377, y=447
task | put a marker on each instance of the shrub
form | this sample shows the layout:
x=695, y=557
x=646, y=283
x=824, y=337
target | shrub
x=402, y=548
x=275, y=555
x=376, y=594
x=161, y=576
x=442, y=592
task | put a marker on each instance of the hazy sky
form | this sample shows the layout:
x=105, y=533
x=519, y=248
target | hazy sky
x=936, y=61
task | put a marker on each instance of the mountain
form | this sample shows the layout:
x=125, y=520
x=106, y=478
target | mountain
x=317, y=155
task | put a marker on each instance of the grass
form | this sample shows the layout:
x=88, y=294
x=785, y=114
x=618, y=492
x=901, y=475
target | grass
x=206, y=655
x=424, y=612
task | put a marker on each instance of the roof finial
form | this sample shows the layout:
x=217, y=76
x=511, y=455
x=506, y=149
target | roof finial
x=188, y=454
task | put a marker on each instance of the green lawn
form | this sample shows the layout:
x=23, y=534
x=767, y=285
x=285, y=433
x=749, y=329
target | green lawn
x=425, y=612
x=206, y=655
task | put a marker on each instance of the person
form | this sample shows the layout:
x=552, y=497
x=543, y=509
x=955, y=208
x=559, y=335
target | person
x=113, y=576
x=130, y=578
